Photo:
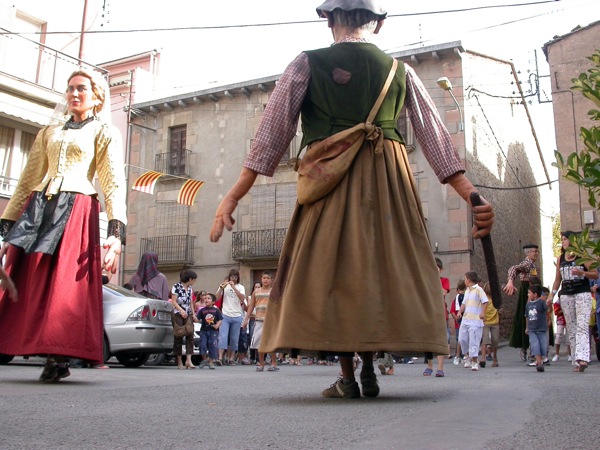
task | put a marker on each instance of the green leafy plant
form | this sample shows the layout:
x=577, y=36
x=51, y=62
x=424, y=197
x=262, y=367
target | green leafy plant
x=583, y=168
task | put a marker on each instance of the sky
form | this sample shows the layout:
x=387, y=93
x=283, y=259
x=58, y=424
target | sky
x=219, y=55
x=195, y=59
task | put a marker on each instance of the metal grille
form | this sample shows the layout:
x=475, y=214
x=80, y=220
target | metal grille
x=272, y=205
x=171, y=219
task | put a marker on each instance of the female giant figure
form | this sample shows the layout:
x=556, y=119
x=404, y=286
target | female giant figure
x=52, y=236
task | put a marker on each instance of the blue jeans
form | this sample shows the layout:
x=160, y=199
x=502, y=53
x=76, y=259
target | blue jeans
x=208, y=343
x=538, y=343
x=229, y=333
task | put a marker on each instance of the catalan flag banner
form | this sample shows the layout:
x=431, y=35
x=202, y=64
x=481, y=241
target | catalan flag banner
x=187, y=193
x=146, y=182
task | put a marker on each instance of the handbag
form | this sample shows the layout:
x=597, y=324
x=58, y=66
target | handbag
x=186, y=329
x=326, y=162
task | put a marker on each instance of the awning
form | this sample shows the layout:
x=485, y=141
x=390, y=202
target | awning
x=23, y=110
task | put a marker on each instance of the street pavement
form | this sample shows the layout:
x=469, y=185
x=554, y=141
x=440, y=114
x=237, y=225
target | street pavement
x=509, y=407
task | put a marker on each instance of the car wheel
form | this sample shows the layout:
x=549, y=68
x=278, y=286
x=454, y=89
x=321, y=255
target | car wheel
x=105, y=350
x=155, y=359
x=133, y=359
x=5, y=359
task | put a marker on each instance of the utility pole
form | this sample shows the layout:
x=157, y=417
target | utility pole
x=81, y=39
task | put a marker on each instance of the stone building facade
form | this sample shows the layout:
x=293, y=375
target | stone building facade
x=567, y=57
x=206, y=135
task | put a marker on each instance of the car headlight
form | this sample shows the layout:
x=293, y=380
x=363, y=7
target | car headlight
x=140, y=314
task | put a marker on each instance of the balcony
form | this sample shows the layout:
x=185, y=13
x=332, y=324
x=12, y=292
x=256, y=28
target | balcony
x=257, y=244
x=173, y=251
x=28, y=60
x=173, y=163
x=7, y=186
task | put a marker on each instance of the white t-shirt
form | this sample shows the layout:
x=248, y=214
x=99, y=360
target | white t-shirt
x=231, y=303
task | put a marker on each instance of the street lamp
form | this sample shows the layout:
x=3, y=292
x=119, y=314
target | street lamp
x=445, y=84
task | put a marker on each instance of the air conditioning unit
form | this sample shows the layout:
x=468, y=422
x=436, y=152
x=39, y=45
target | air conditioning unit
x=588, y=217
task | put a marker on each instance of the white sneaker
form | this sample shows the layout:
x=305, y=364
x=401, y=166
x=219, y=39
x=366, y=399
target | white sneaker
x=545, y=360
x=555, y=358
x=569, y=358
x=475, y=366
x=456, y=361
x=467, y=363
x=532, y=364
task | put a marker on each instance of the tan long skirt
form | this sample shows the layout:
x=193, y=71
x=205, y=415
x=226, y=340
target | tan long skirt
x=356, y=271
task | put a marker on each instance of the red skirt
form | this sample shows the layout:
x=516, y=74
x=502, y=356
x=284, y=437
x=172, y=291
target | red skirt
x=59, y=311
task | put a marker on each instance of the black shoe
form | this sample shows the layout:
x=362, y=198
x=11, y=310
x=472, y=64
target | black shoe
x=49, y=372
x=368, y=380
x=62, y=372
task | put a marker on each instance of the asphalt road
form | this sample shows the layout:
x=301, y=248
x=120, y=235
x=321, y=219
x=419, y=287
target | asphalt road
x=508, y=407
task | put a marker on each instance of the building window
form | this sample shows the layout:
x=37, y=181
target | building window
x=272, y=205
x=177, y=150
x=15, y=146
x=29, y=53
x=292, y=150
x=171, y=219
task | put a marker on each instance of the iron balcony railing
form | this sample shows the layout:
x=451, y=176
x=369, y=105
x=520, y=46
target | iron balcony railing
x=37, y=63
x=173, y=163
x=171, y=250
x=257, y=244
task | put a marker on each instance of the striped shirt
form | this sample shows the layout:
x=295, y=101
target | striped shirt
x=474, y=299
x=261, y=301
x=279, y=123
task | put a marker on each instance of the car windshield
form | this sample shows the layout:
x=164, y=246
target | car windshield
x=120, y=290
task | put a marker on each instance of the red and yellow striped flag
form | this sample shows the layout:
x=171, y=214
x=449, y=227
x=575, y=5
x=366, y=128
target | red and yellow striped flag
x=145, y=183
x=187, y=193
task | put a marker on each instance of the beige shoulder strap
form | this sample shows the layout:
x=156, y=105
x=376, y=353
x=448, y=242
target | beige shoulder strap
x=386, y=86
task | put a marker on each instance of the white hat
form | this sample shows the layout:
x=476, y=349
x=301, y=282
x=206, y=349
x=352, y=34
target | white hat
x=348, y=5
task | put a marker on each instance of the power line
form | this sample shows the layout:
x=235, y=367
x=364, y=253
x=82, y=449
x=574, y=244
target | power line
x=497, y=188
x=299, y=22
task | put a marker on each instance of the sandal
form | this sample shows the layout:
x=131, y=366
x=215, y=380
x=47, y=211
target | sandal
x=427, y=372
x=439, y=374
x=495, y=364
x=260, y=368
x=273, y=369
x=582, y=365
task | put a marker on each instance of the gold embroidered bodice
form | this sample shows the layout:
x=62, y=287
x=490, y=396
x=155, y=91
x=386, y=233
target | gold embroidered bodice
x=68, y=159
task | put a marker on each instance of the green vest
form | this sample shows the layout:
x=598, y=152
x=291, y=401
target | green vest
x=346, y=80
